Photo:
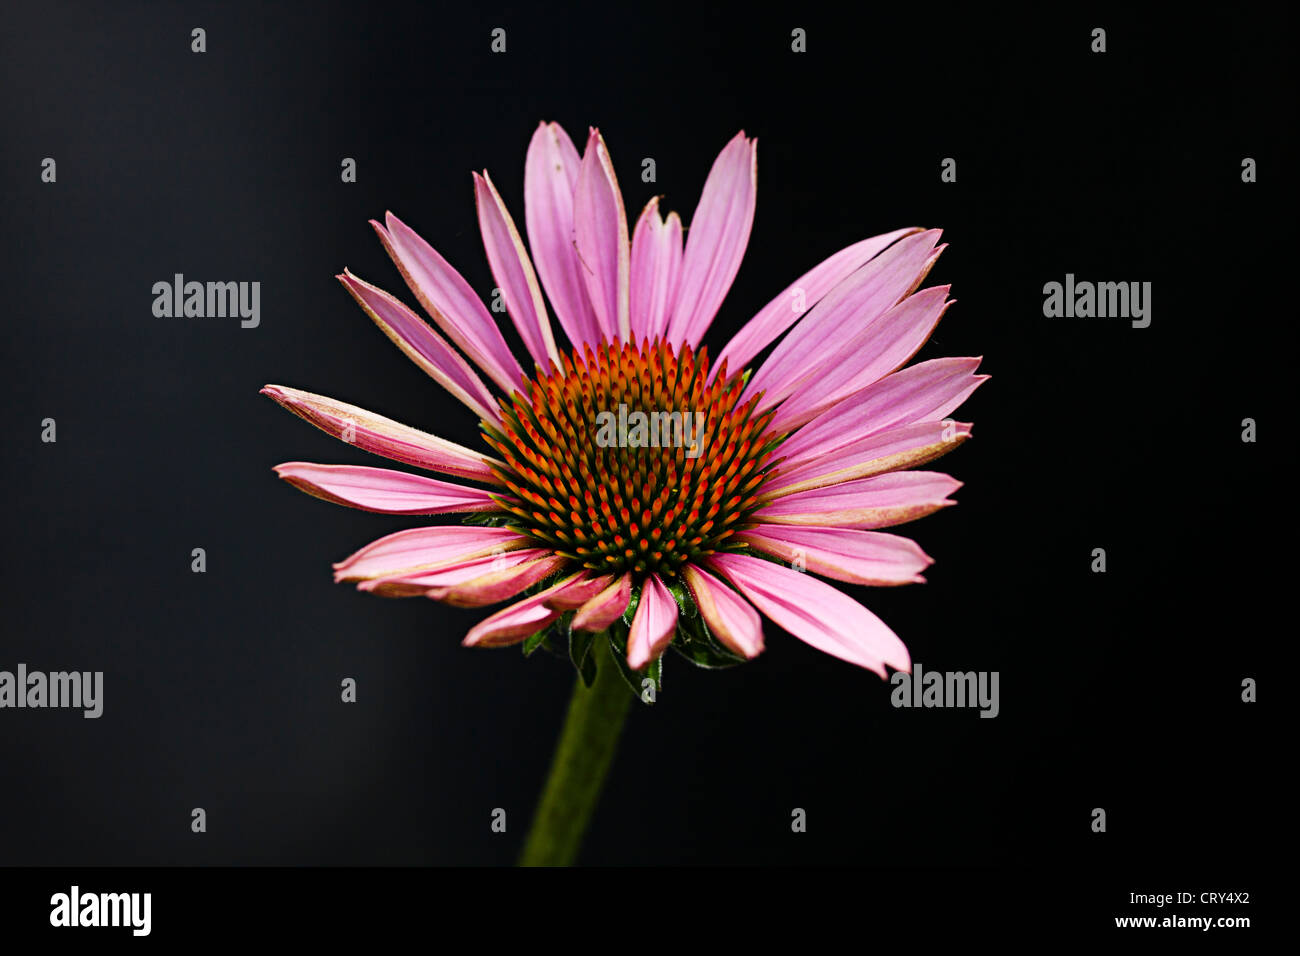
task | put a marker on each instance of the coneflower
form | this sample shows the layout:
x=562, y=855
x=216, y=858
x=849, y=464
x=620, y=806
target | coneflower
x=729, y=487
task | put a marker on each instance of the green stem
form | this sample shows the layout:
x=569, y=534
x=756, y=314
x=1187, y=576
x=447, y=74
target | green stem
x=582, y=756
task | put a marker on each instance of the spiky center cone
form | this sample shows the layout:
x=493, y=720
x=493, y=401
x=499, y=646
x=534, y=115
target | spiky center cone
x=628, y=459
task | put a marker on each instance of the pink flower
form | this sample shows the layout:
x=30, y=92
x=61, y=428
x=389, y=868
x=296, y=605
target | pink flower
x=684, y=530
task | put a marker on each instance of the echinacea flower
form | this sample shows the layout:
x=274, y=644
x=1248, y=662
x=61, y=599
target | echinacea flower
x=729, y=497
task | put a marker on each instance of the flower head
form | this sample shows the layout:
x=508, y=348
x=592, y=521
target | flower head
x=633, y=489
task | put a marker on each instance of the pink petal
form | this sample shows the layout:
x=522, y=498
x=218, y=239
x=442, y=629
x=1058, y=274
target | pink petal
x=652, y=625
x=514, y=273
x=550, y=178
x=731, y=619
x=656, y=263
x=383, y=436
x=600, y=231
x=924, y=392
x=859, y=557
x=450, y=300
x=874, y=454
x=877, y=502
x=602, y=610
x=716, y=240
x=384, y=490
x=800, y=296
x=421, y=549
x=578, y=595
x=497, y=586
x=453, y=573
x=425, y=347
x=522, y=619
x=871, y=291
x=815, y=612
x=848, y=366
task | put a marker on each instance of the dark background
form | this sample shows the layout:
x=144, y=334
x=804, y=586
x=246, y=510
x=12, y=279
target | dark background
x=1119, y=690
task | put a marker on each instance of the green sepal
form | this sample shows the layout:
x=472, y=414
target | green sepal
x=633, y=600
x=618, y=635
x=692, y=639
x=682, y=595
x=534, y=641
x=694, y=642
x=584, y=662
x=655, y=671
x=546, y=637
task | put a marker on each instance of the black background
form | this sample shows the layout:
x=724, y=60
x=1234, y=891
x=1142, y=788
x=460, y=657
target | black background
x=1119, y=690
